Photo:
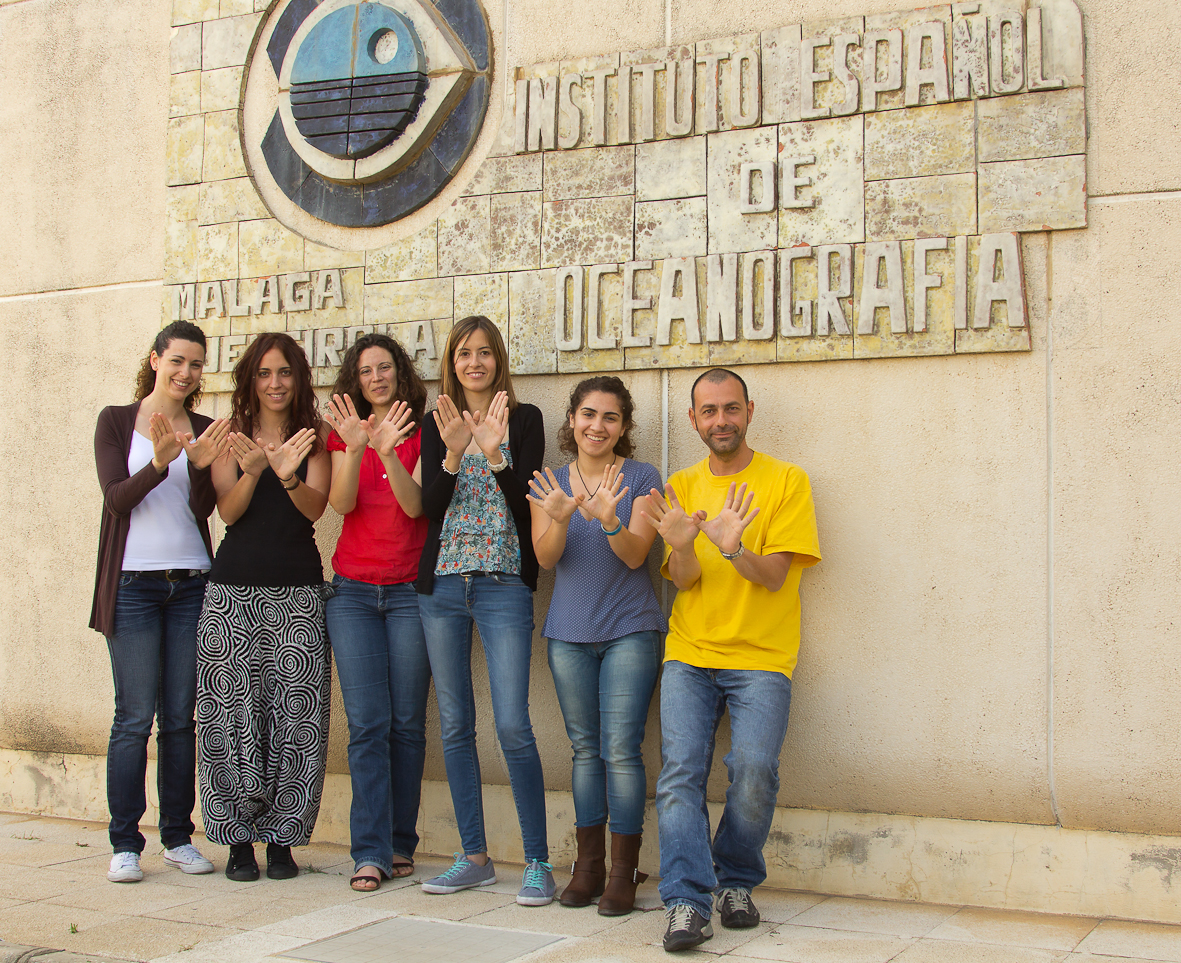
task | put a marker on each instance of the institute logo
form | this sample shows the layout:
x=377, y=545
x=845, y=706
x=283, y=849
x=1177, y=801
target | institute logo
x=360, y=113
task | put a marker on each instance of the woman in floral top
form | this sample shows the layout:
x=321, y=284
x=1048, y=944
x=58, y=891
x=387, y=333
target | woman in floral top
x=479, y=451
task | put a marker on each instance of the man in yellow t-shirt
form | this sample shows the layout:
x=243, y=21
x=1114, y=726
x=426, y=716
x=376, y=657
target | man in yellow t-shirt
x=739, y=529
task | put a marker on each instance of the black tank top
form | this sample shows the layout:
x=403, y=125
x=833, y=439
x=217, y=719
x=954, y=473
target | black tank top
x=273, y=543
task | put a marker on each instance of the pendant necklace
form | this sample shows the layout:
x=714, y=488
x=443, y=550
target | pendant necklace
x=585, y=486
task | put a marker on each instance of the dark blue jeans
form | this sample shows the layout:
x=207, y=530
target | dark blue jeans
x=154, y=664
x=385, y=676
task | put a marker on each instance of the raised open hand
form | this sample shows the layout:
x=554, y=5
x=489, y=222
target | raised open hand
x=285, y=458
x=342, y=415
x=453, y=429
x=166, y=443
x=547, y=493
x=726, y=527
x=203, y=451
x=250, y=456
x=391, y=431
x=489, y=430
x=604, y=502
x=676, y=526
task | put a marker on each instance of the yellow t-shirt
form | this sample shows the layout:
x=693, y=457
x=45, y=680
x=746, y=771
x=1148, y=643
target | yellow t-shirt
x=725, y=621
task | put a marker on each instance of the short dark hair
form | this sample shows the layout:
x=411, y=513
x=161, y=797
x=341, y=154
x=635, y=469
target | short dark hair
x=608, y=384
x=715, y=376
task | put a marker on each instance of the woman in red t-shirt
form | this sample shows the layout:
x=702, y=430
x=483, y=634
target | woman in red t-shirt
x=376, y=408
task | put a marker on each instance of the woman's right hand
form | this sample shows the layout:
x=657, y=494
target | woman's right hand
x=342, y=415
x=166, y=444
x=287, y=457
x=548, y=494
x=251, y=458
x=453, y=431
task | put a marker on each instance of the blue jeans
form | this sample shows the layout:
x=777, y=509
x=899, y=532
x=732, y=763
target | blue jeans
x=604, y=689
x=692, y=701
x=501, y=607
x=154, y=664
x=384, y=677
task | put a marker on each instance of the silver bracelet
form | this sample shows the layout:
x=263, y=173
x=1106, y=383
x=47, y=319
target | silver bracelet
x=730, y=556
x=499, y=467
x=446, y=469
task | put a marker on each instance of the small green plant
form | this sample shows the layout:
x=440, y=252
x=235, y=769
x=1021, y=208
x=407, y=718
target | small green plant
x=312, y=869
x=30, y=838
x=73, y=928
x=83, y=845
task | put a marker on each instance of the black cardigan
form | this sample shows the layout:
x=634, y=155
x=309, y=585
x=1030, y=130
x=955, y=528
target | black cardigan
x=526, y=441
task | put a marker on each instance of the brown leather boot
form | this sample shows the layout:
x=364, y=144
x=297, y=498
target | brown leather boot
x=620, y=895
x=590, y=867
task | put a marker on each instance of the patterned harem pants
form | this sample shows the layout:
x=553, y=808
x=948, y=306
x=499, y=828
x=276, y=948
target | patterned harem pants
x=263, y=697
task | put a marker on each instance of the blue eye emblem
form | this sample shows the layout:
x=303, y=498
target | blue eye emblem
x=358, y=81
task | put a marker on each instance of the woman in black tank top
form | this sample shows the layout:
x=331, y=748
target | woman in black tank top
x=262, y=650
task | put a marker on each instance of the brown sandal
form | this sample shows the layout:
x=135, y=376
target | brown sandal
x=365, y=879
x=402, y=870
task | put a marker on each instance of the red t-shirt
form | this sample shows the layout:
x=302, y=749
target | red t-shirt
x=379, y=543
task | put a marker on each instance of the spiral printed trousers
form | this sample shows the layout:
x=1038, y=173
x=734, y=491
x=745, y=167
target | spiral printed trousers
x=263, y=696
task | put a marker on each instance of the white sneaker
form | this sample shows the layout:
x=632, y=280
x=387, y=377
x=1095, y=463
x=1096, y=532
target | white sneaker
x=188, y=859
x=125, y=868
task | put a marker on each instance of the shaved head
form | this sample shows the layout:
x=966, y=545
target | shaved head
x=715, y=376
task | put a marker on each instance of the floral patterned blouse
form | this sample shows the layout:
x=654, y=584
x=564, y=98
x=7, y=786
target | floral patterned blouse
x=478, y=531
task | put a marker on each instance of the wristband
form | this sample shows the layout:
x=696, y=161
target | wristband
x=284, y=481
x=730, y=556
x=499, y=467
x=615, y=531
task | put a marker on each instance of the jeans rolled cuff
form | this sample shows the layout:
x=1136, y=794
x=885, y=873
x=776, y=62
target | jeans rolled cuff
x=385, y=865
x=705, y=910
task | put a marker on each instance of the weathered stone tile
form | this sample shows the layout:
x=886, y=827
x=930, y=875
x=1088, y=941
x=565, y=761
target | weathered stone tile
x=267, y=247
x=184, y=49
x=999, y=335
x=596, y=123
x=752, y=298
x=318, y=257
x=193, y=11
x=185, y=150
x=920, y=207
x=258, y=323
x=225, y=43
x=501, y=175
x=230, y=200
x=400, y=301
x=837, y=189
x=411, y=258
x=183, y=203
x=596, y=313
x=1044, y=194
x=485, y=294
x=656, y=284
x=587, y=231
x=670, y=168
x=882, y=335
x=180, y=251
x=1063, y=51
x=729, y=228
x=223, y=149
x=674, y=228
x=221, y=89
x=833, y=84
x=217, y=252
x=929, y=80
x=1046, y=123
x=328, y=315
x=721, y=103
x=808, y=332
x=234, y=8
x=596, y=172
x=531, y=322
x=464, y=237
x=921, y=141
x=653, y=73
x=781, y=74
x=516, y=231
x=184, y=94
x=424, y=342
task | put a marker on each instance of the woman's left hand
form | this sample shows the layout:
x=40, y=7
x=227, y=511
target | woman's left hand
x=203, y=451
x=286, y=458
x=489, y=431
x=604, y=502
x=548, y=494
x=391, y=431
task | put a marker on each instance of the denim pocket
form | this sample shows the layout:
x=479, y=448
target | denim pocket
x=126, y=578
x=506, y=578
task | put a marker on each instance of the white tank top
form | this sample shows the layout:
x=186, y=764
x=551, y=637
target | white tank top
x=163, y=529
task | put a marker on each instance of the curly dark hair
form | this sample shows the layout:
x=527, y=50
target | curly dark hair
x=244, y=406
x=610, y=385
x=408, y=388
x=145, y=379
x=463, y=330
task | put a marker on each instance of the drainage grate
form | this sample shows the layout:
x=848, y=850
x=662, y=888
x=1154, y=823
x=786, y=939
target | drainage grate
x=401, y=940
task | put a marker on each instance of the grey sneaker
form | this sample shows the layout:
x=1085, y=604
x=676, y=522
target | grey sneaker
x=537, y=885
x=736, y=909
x=463, y=874
x=188, y=859
x=125, y=868
x=686, y=928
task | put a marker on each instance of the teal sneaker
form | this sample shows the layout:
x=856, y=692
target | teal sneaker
x=463, y=874
x=537, y=885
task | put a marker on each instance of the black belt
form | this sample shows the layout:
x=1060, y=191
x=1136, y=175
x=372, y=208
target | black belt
x=171, y=574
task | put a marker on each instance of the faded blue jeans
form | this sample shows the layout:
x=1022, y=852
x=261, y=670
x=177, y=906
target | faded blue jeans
x=604, y=689
x=692, y=701
x=154, y=665
x=501, y=607
x=385, y=676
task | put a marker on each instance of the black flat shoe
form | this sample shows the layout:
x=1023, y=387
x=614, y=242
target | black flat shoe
x=280, y=865
x=242, y=866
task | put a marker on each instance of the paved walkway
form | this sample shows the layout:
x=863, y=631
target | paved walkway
x=54, y=894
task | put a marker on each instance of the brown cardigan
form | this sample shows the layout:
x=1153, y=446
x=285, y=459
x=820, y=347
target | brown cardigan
x=121, y=493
